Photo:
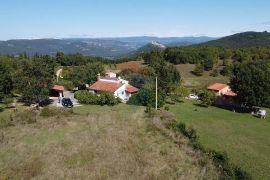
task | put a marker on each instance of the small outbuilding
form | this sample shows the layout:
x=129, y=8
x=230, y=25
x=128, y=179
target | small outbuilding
x=58, y=91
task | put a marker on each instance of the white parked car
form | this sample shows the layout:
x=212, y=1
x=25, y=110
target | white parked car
x=193, y=96
x=262, y=113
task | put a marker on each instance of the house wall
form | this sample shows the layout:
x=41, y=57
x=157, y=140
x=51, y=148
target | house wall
x=223, y=91
x=121, y=93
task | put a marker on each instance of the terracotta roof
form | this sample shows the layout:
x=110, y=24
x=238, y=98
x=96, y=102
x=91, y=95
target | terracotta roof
x=105, y=86
x=58, y=88
x=131, y=89
x=217, y=86
x=230, y=93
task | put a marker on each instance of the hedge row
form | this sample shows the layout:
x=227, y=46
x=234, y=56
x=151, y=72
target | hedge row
x=105, y=98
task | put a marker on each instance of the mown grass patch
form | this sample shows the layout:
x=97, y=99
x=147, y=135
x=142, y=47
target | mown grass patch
x=192, y=81
x=243, y=137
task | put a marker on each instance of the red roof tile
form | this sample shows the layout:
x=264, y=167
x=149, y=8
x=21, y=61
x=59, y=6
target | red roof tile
x=58, y=88
x=105, y=86
x=230, y=93
x=131, y=89
x=217, y=86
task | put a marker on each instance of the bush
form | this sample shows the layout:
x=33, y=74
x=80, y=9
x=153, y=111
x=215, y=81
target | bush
x=104, y=98
x=198, y=71
x=107, y=99
x=67, y=84
x=188, y=132
x=214, y=73
x=169, y=101
x=8, y=101
x=150, y=111
x=146, y=96
x=167, y=108
x=207, y=98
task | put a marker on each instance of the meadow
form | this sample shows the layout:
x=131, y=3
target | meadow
x=97, y=142
x=192, y=81
x=245, y=138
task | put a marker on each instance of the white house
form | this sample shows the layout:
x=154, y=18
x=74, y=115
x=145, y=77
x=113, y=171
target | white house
x=110, y=83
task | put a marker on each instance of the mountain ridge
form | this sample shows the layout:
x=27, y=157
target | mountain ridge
x=104, y=47
x=242, y=40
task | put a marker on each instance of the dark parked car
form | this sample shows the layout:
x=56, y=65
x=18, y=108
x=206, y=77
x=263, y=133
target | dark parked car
x=66, y=102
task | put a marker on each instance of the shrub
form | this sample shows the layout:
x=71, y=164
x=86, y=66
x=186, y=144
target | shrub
x=214, y=73
x=198, y=71
x=8, y=101
x=104, y=98
x=169, y=101
x=107, y=99
x=167, y=108
x=146, y=96
x=67, y=84
x=150, y=111
x=188, y=132
x=207, y=98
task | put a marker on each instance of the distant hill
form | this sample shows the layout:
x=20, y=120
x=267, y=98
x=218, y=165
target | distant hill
x=93, y=47
x=153, y=46
x=104, y=47
x=241, y=40
x=168, y=41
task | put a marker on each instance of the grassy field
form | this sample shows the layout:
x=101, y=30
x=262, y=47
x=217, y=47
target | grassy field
x=245, y=138
x=97, y=143
x=192, y=81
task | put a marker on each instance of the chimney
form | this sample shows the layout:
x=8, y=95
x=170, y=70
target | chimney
x=98, y=76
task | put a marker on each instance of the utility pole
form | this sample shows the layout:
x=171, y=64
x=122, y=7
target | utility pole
x=156, y=93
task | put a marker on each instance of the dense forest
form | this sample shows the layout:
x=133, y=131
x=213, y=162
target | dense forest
x=32, y=77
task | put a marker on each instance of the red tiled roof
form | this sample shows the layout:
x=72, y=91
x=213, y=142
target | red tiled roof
x=217, y=86
x=230, y=93
x=131, y=89
x=58, y=88
x=105, y=86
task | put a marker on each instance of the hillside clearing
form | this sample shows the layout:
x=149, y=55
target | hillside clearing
x=246, y=139
x=192, y=81
x=100, y=143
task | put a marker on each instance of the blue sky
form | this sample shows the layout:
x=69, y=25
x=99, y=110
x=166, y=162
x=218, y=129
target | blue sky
x=107, y=18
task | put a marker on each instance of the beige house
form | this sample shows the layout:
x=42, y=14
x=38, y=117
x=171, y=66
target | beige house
x=225, y=96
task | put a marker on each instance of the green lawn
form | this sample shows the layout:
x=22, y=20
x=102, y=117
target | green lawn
x=245, y=138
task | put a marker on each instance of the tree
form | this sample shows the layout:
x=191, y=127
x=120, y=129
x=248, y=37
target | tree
x=250, y=80
x=6, y=83
x=146, y=97
x=198, y=71
x=168, y=76
x=86, y=74
x=207, y=98
x=34, y=79
x=60, y=58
